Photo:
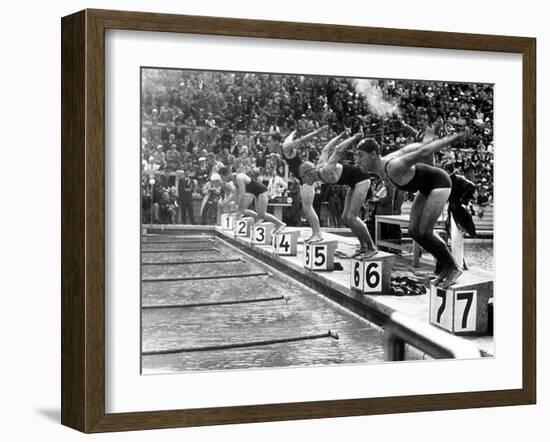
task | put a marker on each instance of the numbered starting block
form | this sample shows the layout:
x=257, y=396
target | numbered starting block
x=319, y=256
x=286, y=242
x=262, y=234
x=372, y=275
x=243, y=227
x=464, y=307
x=228, y=221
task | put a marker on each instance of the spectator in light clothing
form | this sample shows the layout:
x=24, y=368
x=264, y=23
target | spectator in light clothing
x=159, y=158
x=276, y=186
x=212, y=192
x=213, y=163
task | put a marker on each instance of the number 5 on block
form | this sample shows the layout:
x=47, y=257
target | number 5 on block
x=320, y=256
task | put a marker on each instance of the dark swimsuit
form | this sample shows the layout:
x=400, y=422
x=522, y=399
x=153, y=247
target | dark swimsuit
x=425, y=179
x=351, y=175
x=294, y=165
x=255, y=188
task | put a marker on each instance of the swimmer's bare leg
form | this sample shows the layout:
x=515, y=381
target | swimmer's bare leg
x=424, y=214
x=261, y=207
x=307, y=194
x=354, y=201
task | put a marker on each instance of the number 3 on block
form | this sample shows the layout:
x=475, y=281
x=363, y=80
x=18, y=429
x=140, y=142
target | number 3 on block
x=259, y=235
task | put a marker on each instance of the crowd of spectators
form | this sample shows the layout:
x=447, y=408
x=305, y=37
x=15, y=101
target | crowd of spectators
x=194, y=122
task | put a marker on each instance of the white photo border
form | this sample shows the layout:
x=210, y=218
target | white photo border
x=127, y=391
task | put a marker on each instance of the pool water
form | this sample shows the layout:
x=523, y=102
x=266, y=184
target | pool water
x=305, y=313
x=479, y=255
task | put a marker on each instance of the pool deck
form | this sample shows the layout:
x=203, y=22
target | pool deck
x=416, y=306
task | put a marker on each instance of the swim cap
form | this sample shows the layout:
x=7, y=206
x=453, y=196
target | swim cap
x=306, y=167
x=368, y=145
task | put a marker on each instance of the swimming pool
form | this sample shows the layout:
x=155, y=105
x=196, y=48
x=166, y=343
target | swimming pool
x=234, y=312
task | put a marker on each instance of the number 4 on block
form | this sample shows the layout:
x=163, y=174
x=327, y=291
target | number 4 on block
x=286, y=243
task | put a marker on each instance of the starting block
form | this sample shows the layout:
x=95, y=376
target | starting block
x=243, y=227
x=319, y=256
x=464, y=307
x=286, y=242
x=262, y=234
x=372, y=275
x=228, y=221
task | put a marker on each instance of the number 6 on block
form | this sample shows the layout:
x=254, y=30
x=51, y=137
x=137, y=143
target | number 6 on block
x=366, y=276
x=372, y=276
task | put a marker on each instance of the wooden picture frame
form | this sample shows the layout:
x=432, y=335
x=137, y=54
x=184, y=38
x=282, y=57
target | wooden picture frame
x=83, y=220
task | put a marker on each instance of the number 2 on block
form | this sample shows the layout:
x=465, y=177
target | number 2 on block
x=242, y=228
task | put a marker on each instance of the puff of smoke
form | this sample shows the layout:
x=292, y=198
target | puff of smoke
x=371, y=91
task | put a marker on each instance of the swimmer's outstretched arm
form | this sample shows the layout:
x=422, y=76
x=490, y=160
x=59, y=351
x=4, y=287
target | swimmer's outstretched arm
x=412, y=154
x=339, y=150
x=327, y=149
x=290, y=145
x=408, y=128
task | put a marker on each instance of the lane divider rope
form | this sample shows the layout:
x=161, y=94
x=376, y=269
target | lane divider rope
x=196, y=278
x=329, y=334
x=194, y=241
x=209, y=304
x=213, y=249
x=212, y=261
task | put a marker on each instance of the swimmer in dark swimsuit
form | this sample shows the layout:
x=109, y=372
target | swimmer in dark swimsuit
x=329, y=170
x=289, y=152
x=247, y=191
x=432, y=186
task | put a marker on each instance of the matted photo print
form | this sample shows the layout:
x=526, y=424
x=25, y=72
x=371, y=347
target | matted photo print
x=302, y=220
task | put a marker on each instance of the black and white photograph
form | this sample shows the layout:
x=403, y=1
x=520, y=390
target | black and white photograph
x=290, y=219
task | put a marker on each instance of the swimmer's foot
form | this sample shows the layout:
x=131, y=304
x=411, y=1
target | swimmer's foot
x=450, y=277
x=313, y=239
x=437, y=280
x=279, y=229
x=364, y=253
